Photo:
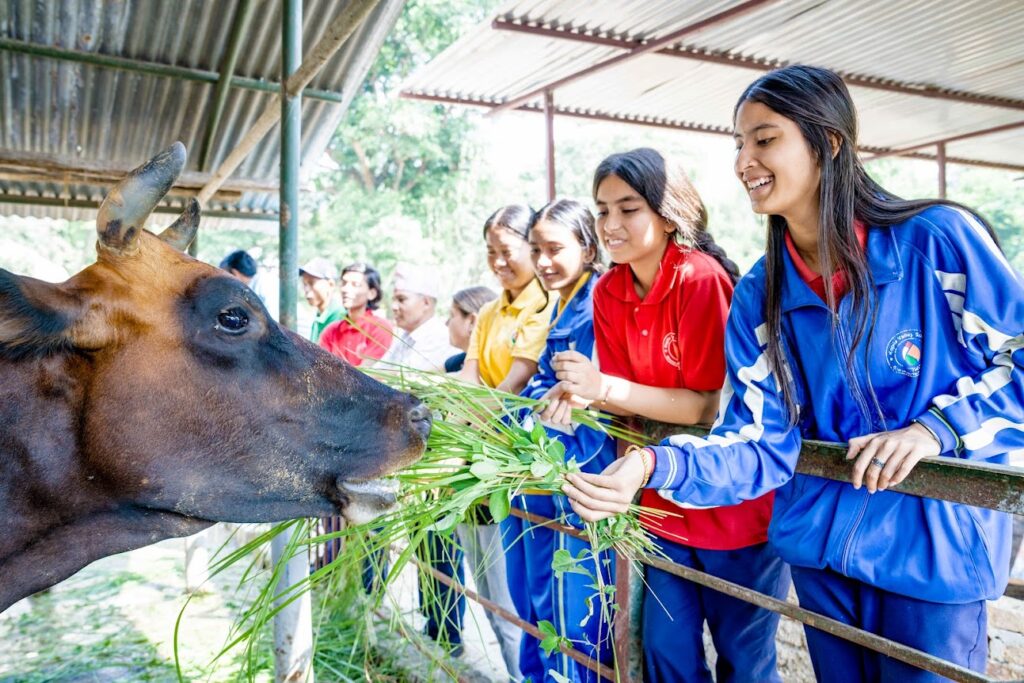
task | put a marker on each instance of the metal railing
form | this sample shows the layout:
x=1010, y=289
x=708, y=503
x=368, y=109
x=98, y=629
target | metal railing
x=995, y=487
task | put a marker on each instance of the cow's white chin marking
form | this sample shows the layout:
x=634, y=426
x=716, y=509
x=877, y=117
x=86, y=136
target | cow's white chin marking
x=368, y=500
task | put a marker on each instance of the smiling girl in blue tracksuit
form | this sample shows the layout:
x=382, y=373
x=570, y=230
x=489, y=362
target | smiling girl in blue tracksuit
x=567, y=259
x=896, y=326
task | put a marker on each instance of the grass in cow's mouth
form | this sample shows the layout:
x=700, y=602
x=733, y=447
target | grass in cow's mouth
x=485, y=446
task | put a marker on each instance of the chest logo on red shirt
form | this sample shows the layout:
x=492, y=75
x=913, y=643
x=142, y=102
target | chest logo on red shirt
x=670, y=349
x=903, y=353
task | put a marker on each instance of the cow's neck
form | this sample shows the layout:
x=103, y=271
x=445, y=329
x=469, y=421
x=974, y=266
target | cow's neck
x=60, y=552
x=58, y=518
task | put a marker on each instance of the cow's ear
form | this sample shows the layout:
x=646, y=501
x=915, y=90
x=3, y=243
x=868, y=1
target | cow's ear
x=35, y=316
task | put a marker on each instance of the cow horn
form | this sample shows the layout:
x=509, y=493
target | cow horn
x=126, y=207
x=181, y=232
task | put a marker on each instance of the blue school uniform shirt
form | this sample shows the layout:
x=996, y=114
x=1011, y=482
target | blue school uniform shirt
x=573, y=330
x=946, y=350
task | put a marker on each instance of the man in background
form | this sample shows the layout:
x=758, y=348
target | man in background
x=423, y=343
x=362, y=336
x=320, y=286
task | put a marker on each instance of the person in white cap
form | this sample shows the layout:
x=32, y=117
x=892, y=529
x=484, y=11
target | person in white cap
x=423, y=343
x=320, y=285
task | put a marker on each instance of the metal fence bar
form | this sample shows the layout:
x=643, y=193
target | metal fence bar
x=595, y=666
x=917, y=658
x=889, y=648
x=996, y=487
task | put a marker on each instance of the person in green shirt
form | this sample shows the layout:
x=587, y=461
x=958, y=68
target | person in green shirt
x=320, y=286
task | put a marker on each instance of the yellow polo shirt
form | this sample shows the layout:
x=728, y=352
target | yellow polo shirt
x=510, y=329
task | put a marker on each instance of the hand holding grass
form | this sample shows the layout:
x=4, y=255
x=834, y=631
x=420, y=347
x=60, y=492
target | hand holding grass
x=598, y=496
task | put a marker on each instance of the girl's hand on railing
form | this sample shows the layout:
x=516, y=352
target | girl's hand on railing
x=885, y=459
x=597, y=496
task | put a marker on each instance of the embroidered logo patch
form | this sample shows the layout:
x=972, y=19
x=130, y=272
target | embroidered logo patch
x=903, y=352
x=670, y=349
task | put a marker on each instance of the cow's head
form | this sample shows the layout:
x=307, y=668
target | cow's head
x=193, y=400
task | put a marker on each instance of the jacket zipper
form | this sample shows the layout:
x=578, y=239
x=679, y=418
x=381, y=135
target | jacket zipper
x=845, y=559
x=858, y=385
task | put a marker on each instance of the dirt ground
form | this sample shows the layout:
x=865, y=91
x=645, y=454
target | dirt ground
x=114, y=622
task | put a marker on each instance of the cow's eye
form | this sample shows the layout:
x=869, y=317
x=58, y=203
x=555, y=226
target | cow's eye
x=233, y=320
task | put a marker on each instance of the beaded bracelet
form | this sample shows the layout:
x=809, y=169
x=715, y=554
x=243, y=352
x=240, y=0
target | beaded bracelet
x=646, y=459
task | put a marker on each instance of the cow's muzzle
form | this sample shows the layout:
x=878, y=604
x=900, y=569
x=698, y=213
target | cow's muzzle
x=368, y=500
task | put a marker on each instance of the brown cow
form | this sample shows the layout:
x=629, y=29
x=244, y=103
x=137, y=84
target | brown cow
x=151, y=395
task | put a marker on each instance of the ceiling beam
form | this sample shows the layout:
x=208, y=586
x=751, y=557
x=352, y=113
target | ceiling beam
x=635, y=51
x=570, y=33
x=154, y=68
x=223, y=87
x=29, y=200
x=348, y=20
x=952, y=138
x=682, y=126
x=61, y=170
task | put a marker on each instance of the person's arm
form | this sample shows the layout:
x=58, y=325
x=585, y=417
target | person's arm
x=752, y=449
x=701, y=340
x=980, y=416
x=578, y=376
x=518, y=375
x=470, y=371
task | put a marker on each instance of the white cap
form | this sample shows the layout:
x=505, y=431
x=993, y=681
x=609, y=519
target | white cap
x=319, y=267
x=412, y=277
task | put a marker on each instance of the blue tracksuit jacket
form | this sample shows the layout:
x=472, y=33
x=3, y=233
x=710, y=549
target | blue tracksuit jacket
x=948, y=337
x=574, y=331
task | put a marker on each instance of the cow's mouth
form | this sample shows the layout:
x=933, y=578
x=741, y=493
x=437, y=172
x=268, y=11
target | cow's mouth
x=368, y=500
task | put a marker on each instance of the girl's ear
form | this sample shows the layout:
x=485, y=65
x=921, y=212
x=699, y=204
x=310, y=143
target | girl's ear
x=472, y=320
x=590, y=255
x=835, y=141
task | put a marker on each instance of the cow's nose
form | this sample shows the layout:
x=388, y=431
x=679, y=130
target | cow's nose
x=421, y=420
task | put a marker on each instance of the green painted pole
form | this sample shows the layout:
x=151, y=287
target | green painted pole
x=293, y=625
x=291, y=137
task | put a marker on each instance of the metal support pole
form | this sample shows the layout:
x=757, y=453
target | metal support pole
x=549, y=116
x=343, y=26
x=293, y=626
x=940, y=158
x=291, y=138
x=227, y=70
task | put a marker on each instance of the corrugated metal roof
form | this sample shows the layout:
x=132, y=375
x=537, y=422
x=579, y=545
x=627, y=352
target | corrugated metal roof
x=85, y=112
x=968, y=53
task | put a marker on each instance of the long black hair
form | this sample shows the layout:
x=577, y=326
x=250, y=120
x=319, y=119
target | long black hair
x=668, y=191
x=818, y=102
x=580, y=221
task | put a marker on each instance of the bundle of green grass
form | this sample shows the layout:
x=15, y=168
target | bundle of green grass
x=485, y=447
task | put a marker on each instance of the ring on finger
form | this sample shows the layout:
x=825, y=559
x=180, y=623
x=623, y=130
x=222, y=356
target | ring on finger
x=878, y=463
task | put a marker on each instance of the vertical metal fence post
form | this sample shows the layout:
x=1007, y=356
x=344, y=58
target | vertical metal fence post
x=940, y=158
x=293, y=626
x=629, y=598
x=549, y=128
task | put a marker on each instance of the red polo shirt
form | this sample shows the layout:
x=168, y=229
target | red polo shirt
x=675, y=337
x=368, y=338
